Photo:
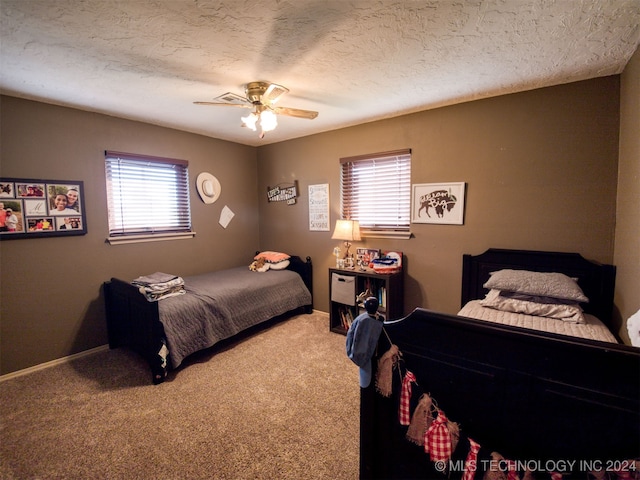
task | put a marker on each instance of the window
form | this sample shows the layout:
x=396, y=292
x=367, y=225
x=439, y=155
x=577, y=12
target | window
x=376, y=191
x=147, y=198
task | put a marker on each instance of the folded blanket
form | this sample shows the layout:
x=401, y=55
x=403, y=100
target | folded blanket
x=156, y=296
x=154, y=278
x=159, y=285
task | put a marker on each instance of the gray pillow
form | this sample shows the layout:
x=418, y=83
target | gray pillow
x=555, y=285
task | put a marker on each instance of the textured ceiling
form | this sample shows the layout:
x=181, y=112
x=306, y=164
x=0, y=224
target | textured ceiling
x=352, y=61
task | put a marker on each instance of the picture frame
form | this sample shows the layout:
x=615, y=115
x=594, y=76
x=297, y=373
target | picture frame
x=364, y=256
x=34, y=208
x=438, y=203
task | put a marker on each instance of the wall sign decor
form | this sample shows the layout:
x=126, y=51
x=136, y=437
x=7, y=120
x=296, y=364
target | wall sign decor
x=31, y=208
x=283, y=192
x=441, y=203
x=319, y=208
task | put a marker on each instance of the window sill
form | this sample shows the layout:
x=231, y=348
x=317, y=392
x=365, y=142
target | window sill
x=392, y=235
x=158, y=237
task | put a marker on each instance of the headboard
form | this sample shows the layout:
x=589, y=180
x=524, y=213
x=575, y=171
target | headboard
x=596, y=280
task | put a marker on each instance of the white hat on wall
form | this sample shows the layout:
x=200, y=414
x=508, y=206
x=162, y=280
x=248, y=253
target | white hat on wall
x=208, y=187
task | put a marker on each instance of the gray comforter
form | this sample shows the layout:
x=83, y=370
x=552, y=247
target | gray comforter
x=220, y=304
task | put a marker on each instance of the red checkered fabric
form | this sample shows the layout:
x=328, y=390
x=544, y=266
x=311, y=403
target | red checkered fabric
x=404, y=413
x=471, y=463
x=437, y=439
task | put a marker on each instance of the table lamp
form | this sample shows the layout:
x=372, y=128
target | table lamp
x=349, y=231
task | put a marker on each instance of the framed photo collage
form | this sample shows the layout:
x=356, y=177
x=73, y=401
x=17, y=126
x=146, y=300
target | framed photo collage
x=41, y=208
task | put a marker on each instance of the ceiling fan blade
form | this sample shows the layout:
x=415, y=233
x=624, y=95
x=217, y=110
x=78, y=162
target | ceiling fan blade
x=247, y=105
x=273, y=93
x=230, y=97
x=296, y=112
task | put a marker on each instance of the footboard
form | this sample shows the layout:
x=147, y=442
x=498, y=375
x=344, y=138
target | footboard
x=304, y=268
x=134, y=322
x=544, y=400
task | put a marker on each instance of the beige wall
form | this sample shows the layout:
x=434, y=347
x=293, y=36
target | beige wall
x=540, y=169
x=51, y=302
x=627, y=244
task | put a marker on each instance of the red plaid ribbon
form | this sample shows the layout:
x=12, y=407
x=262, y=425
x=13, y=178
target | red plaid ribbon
x=404, y=413
x=437, y=439
x=471, y=463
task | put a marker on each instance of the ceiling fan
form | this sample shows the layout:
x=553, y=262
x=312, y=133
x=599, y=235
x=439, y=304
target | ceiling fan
x=261, y=96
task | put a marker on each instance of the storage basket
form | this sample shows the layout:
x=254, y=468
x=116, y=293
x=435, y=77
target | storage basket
x=343, y=289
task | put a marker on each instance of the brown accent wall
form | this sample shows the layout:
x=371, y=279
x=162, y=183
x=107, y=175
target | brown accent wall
x=51, y=300
x=627, y=245
x=540, y=169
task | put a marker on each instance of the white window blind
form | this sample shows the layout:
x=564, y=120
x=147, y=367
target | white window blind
x=376, y=191
x=147, y=195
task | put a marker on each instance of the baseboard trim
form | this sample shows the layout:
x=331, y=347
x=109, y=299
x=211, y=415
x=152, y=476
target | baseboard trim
x=52, y=363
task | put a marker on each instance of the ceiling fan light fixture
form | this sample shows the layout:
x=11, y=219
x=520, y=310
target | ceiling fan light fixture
x=268, y=120
x=261, y=97
x=250, y=121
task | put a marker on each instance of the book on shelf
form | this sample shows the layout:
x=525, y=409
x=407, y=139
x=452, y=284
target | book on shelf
x=346, y=317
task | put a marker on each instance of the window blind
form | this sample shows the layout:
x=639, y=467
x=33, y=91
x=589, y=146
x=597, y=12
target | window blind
x=146, y=195
x=376, y=191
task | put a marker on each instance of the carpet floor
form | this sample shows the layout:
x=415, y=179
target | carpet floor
x=281, y=403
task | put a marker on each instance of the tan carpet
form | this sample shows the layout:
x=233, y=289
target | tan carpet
x=280, y=404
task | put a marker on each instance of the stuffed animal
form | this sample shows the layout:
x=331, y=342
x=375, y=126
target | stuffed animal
x=633, y=327
x=259, y=265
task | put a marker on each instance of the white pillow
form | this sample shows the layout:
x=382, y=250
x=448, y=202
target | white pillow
x=560, y=311
x=278, y=266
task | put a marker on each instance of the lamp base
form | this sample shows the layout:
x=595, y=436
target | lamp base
x=347, y=246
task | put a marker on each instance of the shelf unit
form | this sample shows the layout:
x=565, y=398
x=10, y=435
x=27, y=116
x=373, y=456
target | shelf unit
x=386, y=287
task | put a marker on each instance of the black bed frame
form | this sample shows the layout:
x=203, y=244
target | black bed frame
x=134, y=322
x=531, y=396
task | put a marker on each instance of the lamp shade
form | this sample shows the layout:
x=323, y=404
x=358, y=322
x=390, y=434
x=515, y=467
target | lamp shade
x=348, y=230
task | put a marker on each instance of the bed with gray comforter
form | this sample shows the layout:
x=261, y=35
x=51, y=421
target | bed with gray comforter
x=215, y=306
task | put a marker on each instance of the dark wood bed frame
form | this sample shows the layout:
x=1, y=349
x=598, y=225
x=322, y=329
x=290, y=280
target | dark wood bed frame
x=134, y=322
x=531, y=396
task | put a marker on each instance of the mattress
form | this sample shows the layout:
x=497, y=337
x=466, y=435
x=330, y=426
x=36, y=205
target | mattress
x=592, y=329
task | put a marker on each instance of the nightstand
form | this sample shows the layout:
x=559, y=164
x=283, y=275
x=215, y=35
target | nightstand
x=346, y=286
